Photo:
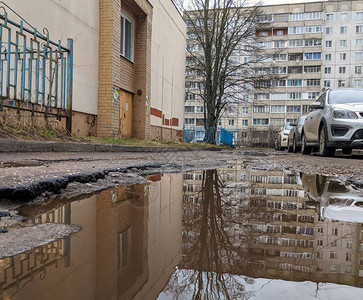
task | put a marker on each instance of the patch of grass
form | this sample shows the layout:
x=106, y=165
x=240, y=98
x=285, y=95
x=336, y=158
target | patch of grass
x=49, y=134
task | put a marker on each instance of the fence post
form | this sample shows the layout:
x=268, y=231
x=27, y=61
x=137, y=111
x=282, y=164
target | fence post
x=69, y=85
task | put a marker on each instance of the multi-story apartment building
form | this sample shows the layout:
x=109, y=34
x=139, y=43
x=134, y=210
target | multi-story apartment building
x=310, y=47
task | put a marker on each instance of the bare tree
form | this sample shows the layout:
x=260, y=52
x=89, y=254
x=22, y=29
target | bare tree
x=211, y=264
x=221, y=55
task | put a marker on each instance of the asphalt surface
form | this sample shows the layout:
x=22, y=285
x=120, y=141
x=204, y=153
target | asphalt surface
x=26, y=175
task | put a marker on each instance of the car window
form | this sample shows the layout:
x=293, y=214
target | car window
x=321, y=99
x=288, y=126
x=346, y=96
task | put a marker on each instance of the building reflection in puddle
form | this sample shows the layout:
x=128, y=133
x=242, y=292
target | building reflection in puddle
x=109, y=258
x=228, y=231
x=251, y=224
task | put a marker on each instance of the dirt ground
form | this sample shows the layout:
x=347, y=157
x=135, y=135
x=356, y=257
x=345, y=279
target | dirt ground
x=33, y=177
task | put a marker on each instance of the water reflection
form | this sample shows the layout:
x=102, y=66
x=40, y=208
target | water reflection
x=110, y=257
x=265, y=224
x=233, y=233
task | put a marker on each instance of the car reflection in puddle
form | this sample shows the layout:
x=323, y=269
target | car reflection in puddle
x=334, y=199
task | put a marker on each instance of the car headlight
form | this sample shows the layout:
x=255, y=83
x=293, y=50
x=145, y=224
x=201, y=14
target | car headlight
x=344, y=114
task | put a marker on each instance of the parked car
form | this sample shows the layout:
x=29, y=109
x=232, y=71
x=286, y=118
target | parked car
x=294, y=140
x=335, y=122
x=282, y=137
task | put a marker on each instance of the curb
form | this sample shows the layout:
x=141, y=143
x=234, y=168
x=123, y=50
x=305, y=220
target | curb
x=7, y=146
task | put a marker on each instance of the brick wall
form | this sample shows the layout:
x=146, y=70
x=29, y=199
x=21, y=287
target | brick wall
x=116, y=72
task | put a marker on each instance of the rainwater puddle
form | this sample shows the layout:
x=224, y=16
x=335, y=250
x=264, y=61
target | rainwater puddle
x=232, y=233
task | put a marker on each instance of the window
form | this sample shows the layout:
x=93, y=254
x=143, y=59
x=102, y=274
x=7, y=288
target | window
x=262, y=96
x=348, y=269
x=349, y=244
x=313, y=29
x=296, y=43
x=189, y=121
x=320, y=229
x=341, y=83
x=329, y=17
x=278, y=96
x=327, y=70
x=319, y=242
x=295, y=56
x=327, y=57
x=245, y=110
x=200, y=109
x=312, y=95
x=312, y=82
x=279, y=44
x=281, y=18
x=296, y=30
x=231, y=110
x=343, y=16
x=127, y=37
x=230, y=122
x=359, y=15
x=280, y=82
x=264, y=18
x=359, y=29
x=343, y=30
x=358, y=55
x=313, y=15
x=348, y=256
x=343, y=43
x=359, y=42
x=333, y=268
x=277, y=121
x=244, y=122
x=280, y=57
x=279, y=70
x=293, y=108
x=189, y=109
x=312, y=42
x=312, y=69
x=358, y=69
x=277, y=109
x=261, y=121
x=328, y=44
x=329, y=30
x=333, y=255
x=294, y=82
x=326, y=83
x=294, y=95
x=263, y=33
x=319, y=255
x=261, y=109
x=312, y=55
x=296, y=17
x=343, y=56
x=341, y=70
x=357, y=82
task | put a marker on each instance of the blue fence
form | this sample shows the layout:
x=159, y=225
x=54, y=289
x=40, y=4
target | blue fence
x=226, y=137
x=36, y=74
x=194, y=134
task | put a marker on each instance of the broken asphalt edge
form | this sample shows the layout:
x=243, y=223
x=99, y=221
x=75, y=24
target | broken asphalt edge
x=24, y=193
x=31, y=146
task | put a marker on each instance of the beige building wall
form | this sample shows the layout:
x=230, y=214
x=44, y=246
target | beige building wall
x=167, y=71
x=77, y=20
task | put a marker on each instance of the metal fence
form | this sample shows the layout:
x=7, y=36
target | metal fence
x=36, y=74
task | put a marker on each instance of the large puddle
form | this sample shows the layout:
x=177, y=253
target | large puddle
x=232, y=233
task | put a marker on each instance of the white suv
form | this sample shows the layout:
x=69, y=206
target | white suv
x=335, y=122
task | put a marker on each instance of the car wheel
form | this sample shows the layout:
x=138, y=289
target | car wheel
x=347, y=151
x=304, y=149
x=289, y=147
x=324, y=150
x=294, y=145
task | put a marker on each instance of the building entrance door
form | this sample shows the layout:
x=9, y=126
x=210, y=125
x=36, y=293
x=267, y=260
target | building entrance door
x=126, y=114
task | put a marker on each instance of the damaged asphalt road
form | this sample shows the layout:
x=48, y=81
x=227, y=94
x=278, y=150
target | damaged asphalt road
x=55, y=179
x=28, y=176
